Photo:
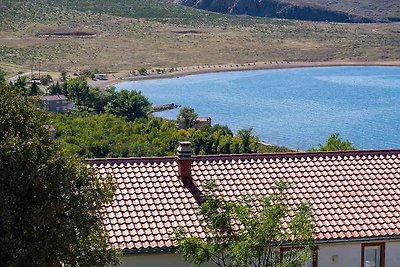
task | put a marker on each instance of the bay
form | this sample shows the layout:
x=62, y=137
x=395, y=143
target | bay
x=298, y=108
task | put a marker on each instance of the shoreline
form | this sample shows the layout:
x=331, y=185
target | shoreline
x=125, y=76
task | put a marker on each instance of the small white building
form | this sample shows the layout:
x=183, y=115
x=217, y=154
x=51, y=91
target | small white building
x=354, y=195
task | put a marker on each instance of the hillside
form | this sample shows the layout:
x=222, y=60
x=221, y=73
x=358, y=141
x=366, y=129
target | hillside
x=313, y=10
x=129, y=34
x=382, y=9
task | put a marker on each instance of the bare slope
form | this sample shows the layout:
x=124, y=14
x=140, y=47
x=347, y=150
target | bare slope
x=129, y=34
x=314, y=10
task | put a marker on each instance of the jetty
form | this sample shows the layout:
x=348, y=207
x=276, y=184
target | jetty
x=158, y=108
x=265, y=143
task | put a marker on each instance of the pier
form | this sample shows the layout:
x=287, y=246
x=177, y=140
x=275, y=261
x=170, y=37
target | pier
x=164, y=107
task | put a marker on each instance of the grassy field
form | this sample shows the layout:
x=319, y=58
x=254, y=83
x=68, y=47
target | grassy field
x=129, y=34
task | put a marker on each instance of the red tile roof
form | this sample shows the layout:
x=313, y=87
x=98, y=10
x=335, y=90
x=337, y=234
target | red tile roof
x=353, y=194
x=54, y=97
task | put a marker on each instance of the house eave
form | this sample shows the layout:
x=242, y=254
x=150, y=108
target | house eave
x=361, y=239
x=127, y=251
x=318, y=242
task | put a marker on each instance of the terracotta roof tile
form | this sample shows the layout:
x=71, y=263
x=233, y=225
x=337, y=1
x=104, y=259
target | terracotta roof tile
x=353, y=194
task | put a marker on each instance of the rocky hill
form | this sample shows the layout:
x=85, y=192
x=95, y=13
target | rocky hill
x=313, y=10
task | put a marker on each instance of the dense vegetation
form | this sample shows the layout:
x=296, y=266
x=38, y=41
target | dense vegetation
x=2, y=77
x=50, y=202
x=106, y=135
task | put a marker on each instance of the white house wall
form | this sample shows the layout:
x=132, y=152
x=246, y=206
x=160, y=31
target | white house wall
x=339, y=255
x=349, y=254
x=156, y=260
x=392, y=254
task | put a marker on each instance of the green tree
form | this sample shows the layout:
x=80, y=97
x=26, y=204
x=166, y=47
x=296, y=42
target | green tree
x=248, y=232
x=64, y=89
x=63, y=76
x=188, y=117
x=249, y=143
x=21, y=82
x=78, y=90
x=46, y=79
x=2, y=77
x=334, y=143
x=51, y=204
x=203, y=141
x=130, y=104
x=97, y=100
x=55, y=89
x=142, y=71
x=34, y=89
x=222, y=128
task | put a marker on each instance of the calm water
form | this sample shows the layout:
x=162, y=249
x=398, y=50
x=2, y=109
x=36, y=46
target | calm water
x=298, y=108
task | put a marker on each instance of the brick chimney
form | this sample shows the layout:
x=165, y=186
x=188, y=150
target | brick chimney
x=185, y=162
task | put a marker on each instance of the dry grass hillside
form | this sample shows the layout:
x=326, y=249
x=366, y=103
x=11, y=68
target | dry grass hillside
x=129, y=34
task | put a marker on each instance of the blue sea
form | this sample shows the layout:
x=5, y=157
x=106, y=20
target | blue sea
x=299, y=108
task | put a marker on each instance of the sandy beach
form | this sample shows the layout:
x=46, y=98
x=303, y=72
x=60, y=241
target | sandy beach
x=124, y=76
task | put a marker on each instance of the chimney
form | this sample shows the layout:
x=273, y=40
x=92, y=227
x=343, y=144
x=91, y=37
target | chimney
x=185, y=162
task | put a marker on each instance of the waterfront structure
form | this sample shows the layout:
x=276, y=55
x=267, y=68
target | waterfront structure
x=354, y=196
x=199, y=122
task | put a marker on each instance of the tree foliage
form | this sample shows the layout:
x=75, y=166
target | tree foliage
x=55, y=89
x=50, y=202
x=106, y=135
x=34, y=89
x=334, y=143
x=2, y=77
x=188, y=117
x=249, y=231
x=131, y=104
x=63, y=76
x=86, y=98
x=78, y=90
x=142, y=71
x=98, y=100
x=245, y=136
x=21, y=82
x=46, y=79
